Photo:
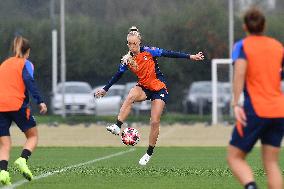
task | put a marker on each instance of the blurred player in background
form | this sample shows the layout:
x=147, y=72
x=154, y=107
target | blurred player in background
x=258, y=61
x=16, y=82
x=142, y=61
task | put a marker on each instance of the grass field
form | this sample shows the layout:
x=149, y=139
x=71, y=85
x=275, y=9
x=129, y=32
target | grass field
x=117, y=167
x=168, y=118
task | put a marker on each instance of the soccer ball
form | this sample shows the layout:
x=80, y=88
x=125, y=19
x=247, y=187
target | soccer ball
x=130, y=136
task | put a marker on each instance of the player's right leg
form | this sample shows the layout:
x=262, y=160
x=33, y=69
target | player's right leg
x=270, y=156
x=30, y=145
x=21, y=164
x=242, y=141
x=5, y=146
x=238, y=165
x=27, y=124
x=136, y=94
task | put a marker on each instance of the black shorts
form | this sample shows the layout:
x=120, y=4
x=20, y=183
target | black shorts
x=269, y=130
x=152, y=95
x=22, y=118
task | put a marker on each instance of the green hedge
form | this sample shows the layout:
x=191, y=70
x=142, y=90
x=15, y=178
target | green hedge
x=168, y=118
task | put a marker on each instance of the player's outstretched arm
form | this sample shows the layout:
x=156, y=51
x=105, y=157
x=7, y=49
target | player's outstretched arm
x=158, y=52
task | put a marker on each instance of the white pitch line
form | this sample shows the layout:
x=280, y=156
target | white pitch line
x=21, y=182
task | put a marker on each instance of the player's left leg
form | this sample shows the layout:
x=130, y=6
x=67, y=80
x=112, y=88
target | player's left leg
x=271, y=144
x=136, y=94
x=242, y=141
x=270, y=156
x=156, y=112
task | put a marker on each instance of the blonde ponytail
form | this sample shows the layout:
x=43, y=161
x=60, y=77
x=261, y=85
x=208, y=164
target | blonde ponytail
x=20, y=46
x=133, y=31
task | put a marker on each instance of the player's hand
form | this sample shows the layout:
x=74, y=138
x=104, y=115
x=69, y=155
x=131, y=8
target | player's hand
x=100, y=93
x=42, y=108
x=198, y=56
x=240, y=115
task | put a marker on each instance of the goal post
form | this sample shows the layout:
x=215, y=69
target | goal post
x=216, y=96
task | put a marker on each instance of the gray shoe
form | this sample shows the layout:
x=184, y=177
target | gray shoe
x=114, y=129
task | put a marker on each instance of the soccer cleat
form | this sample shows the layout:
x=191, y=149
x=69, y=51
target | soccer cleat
x=145, y=159
x=21, y=164
x=5, y=178
x=114, y=129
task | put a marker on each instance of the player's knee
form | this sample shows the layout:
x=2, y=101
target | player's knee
x=131, y=98
x=33, y=137
x=231, y=158
x=155, y=123
x=270, y=163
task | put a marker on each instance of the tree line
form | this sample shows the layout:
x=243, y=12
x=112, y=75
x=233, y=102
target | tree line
x=96, y=37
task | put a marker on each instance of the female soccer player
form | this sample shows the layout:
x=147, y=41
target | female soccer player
x=16, y=80
x=258, y=60
x=142, y=61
